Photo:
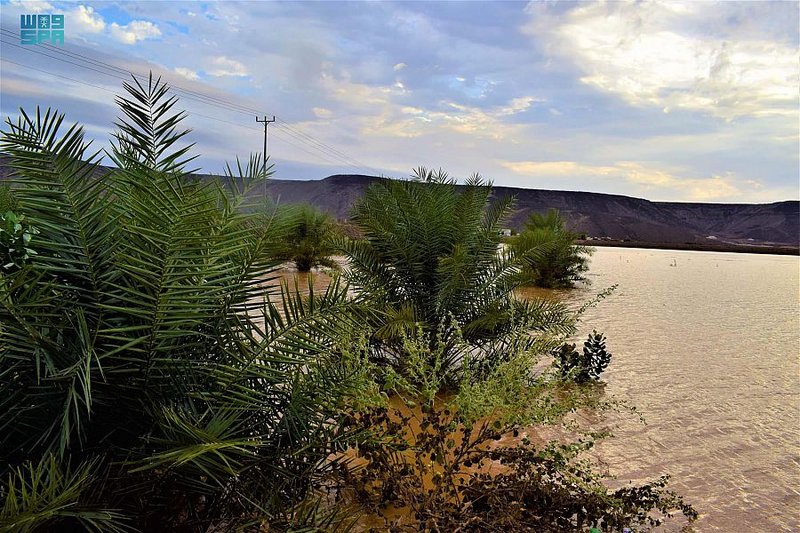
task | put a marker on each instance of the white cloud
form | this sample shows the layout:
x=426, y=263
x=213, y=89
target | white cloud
x=136, y=30
x=84, y=19
x=321, y=112
x=518, y=105
x=648, y=54
x=33, y=6
x=227, y=67
x=187, y=73
x=400, y=66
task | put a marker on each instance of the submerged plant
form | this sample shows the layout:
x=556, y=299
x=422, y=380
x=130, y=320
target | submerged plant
x=550, y=256
x=430, y=258
x=584, y=366
x=477, y=461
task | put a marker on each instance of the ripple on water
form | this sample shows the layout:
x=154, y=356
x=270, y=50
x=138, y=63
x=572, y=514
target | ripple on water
x=708, y=351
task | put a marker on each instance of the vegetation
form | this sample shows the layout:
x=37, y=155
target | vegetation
x=585, y=366
x=457, y=354
x=429, y=258
x=145, y=383
x=7, y=201
x=151, y=378
x=15, y=241
x=311, y=238
x=476, y=460
x=557, y=262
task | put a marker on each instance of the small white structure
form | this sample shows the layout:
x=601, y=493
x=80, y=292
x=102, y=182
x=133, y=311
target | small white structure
x=505, y=232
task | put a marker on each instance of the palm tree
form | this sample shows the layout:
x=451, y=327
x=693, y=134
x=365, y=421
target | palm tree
x=310, y=241
x=146, y=382
x=431, y=258
x=551, y=257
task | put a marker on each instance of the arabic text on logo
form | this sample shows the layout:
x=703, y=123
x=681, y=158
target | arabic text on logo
x=37, y=29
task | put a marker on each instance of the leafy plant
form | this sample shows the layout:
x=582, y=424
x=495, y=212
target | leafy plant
x=7, y=200
x=433, y=466
x=430, y=257
x=15, y=240
x=549, y=253
x=584, y=366
x=310, y=240
x=147, y=378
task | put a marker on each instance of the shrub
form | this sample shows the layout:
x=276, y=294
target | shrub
x=310, y=241
x=433, y=465
x=15, y=241
x=7, y=200
x=550, y=256
x=585, y=366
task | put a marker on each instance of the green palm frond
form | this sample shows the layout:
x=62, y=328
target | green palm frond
x=44, y=497
x=147, y=336
x=432, y=250
x=149, y=131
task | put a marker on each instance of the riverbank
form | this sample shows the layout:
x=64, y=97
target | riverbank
x=699, y=247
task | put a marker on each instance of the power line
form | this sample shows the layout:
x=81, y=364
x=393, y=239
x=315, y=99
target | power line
x=320, y=156
x=330, y=152
x=243, y=109
x=212, y=100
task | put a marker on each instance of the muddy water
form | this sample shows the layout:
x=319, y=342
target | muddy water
x=709, y=351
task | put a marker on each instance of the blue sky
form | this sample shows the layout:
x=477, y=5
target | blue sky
x=681, y=101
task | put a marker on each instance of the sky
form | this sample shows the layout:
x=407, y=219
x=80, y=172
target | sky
x=692, y=101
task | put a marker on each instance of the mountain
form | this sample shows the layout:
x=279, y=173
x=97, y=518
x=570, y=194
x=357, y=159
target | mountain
x=597, y=215
x=600, y=216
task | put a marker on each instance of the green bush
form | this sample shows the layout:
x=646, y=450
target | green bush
x=15, y=241
x=474, y=461
x=584, y=366
x=549, y=253
x=7, y=200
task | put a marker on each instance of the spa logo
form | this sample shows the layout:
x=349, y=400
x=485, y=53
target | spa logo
x=36, y=29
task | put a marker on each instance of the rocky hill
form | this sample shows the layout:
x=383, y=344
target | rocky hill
x=600, y=216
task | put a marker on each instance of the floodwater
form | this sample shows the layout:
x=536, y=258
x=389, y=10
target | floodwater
x=709, y=351
x=706, y=345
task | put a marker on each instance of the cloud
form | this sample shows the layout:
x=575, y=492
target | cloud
x=518, y=105
x=645, y=177
x=33, y=6
x=136, y=30
x=651, y=54
x=381, y=110
x=187, y=73
x=227, y=67
x=84, y=19
x=321, y=112
x=400, y=66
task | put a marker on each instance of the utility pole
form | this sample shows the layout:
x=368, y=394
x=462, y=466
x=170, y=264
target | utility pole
x=266, y=137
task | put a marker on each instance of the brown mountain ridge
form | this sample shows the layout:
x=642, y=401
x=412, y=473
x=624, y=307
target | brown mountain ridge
x=601, y=217
x=597, y=215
